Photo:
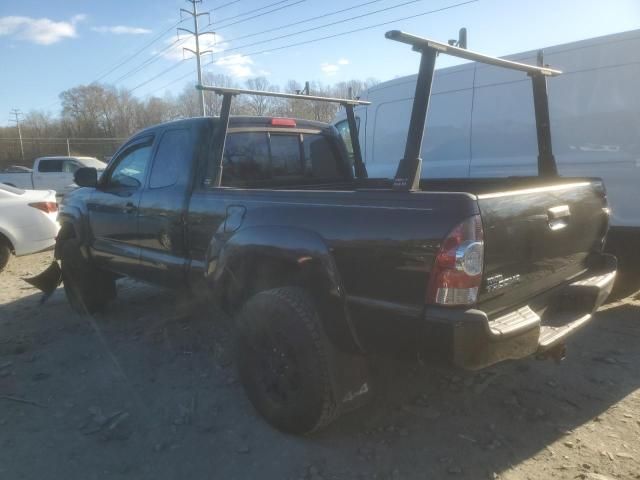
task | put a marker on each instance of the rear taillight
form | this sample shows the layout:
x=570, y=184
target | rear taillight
x=457, y=270
x=46, y=207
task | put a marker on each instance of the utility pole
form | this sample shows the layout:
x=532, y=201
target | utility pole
x=194, y=13
x=17, y=113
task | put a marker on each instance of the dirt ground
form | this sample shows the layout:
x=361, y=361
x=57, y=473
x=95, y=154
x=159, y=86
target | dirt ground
x=147, y=390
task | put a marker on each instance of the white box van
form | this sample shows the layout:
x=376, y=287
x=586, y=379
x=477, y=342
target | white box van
x=481, y=122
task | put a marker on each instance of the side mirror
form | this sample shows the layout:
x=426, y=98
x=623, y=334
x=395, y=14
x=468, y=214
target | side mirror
x=86, y=177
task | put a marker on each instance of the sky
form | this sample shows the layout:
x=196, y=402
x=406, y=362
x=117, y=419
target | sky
x=49, y=46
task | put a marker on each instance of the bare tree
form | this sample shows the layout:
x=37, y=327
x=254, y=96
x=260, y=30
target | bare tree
x=258, y=104
x=102, y=111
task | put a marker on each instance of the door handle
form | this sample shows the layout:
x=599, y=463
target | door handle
x=558, y=217
x=129, y=208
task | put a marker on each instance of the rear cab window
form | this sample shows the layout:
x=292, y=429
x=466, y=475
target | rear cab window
x=281, y=159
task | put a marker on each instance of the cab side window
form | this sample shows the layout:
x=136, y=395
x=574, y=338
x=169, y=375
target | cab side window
x=171, y=158
x=345, y=133
x=50, y=166
x=130, y=168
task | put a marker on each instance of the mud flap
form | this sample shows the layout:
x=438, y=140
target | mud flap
x=47, y=281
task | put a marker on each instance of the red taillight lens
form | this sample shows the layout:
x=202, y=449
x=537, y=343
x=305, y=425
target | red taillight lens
x=457, y=270
x=46, y=207
x=283, y=122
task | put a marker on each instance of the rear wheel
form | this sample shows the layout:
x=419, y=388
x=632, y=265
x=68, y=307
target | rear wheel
x=5, y=253
x=291, y=372
x=88, y=289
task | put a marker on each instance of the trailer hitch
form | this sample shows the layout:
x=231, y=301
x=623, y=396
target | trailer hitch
x=557, y=353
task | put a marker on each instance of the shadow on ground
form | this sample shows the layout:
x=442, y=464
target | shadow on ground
x=147, y=390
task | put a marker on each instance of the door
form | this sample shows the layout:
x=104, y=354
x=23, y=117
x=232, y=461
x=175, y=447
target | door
x=49, y=175
x=162, y=207
x=113, y=207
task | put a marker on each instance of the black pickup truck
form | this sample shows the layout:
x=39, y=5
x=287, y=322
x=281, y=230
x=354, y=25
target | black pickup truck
x=320, y=266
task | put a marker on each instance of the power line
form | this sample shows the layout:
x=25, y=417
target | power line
x=223, y=6
x=369, y=27
x=138, y=52
x=259, y=15
x=182, y=77
x=327, y=37
x=167, y=70
x=322, y=38
x=128, y=58
x=331, y=24
x=248, y=12
x=150, y=60
x=303, y=21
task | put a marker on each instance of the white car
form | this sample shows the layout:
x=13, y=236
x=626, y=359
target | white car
x=27, y=221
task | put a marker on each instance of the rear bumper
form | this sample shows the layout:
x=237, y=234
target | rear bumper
x=468, y=339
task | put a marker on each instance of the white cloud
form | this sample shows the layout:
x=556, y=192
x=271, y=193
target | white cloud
x=237, y=65
x=332, y=68
x=121, y=30
x=42, y=31
x=329, y=68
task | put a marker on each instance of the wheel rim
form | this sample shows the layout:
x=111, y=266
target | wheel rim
x=279, y=369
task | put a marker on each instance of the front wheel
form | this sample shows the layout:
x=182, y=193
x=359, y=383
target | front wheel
x=291, y=372
x=88, y=289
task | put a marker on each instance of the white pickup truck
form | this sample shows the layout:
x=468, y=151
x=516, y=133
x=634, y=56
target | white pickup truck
x=51, y=173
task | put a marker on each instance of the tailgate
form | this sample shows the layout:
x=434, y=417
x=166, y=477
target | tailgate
x=537, y=238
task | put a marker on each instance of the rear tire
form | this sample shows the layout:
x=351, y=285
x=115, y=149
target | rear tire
x=5, y=253
x=291, y=372
x=88, y=289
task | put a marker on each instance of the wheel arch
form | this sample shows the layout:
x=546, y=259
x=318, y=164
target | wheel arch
x=8, y=237
x=255, y=259
x=71, y=226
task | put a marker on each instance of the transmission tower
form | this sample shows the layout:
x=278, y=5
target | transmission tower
x=194, y=13
x=17, y=113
